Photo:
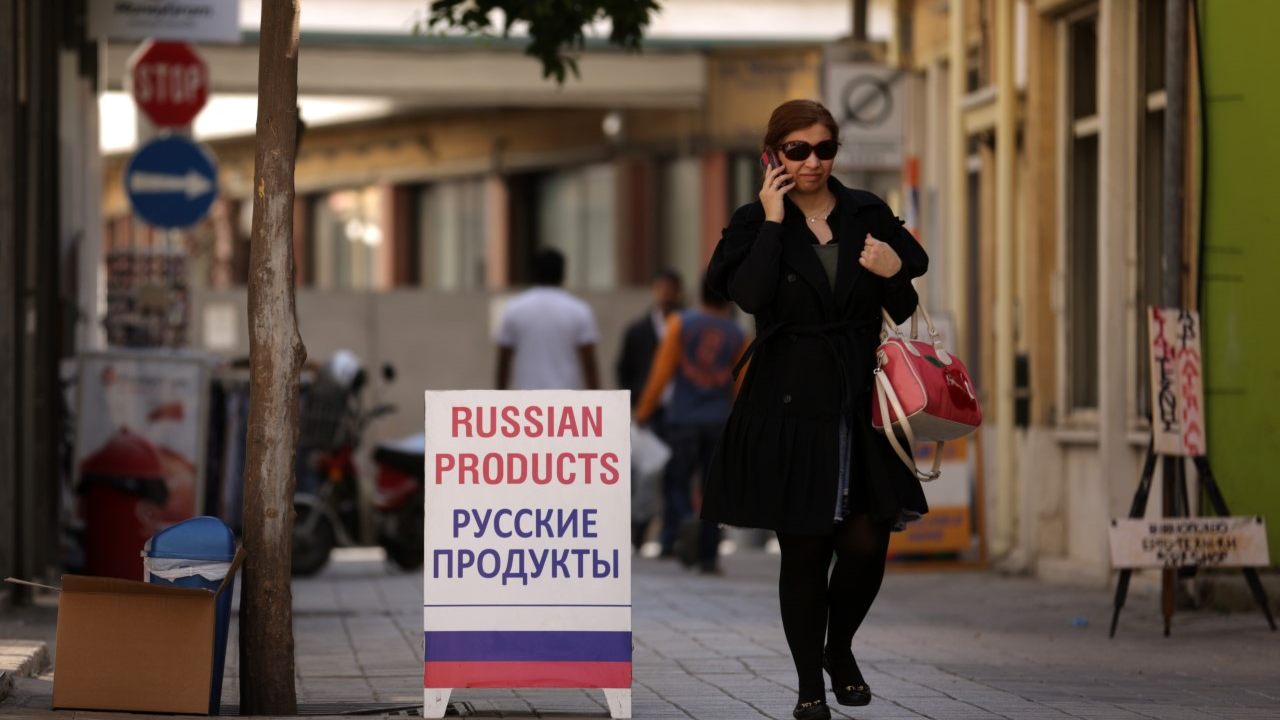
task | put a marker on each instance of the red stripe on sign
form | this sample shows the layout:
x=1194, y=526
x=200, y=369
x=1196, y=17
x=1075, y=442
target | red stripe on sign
x=527, y=675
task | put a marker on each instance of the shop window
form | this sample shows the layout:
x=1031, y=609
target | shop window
x=745, y=180
x=1081, y=220
x=577, y=215
x=1150, y=164
x=347, y=241
x=973, y=259
x=242, y=241
x=681, y=230
x=452, y=233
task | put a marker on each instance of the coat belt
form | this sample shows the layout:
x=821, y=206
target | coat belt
x=821, y=329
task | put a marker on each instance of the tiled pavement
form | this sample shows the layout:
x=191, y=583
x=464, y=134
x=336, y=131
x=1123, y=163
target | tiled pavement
x=953, y=645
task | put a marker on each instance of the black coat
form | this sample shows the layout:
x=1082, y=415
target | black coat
x=639, y=343
x=777, y=464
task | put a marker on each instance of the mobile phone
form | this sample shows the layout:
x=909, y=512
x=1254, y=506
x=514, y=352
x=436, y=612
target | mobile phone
x=768, y=159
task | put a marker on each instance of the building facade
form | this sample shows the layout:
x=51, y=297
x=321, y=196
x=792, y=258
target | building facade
x=1043, y=163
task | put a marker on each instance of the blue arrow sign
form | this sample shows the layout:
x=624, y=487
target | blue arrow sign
x=171, y=182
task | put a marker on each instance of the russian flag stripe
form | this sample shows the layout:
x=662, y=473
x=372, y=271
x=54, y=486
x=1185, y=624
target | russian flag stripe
x=527, y=675
x=527, y=646
x=514, y=618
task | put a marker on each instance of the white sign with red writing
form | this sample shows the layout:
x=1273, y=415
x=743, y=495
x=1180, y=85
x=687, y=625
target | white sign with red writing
x=527, y=579
x=1177, y=382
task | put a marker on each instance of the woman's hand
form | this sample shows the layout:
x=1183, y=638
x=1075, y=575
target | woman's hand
x=776, y=184
x=877, y=257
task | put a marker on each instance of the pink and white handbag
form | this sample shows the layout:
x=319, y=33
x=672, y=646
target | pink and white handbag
x=922, y=393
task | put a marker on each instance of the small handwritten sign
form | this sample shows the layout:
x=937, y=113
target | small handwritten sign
x=1187, y=542
x=1177, y=383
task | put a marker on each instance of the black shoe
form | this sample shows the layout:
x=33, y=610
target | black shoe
x=854, y=695
x=812, y=710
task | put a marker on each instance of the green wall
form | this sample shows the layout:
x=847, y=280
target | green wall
x=1242, y=254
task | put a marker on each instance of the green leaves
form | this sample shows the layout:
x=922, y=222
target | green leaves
x=556, y=27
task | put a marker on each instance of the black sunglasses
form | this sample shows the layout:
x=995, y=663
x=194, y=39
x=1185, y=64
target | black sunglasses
x=798, y=150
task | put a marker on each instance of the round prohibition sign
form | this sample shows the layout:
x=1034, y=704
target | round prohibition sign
x=868, y=101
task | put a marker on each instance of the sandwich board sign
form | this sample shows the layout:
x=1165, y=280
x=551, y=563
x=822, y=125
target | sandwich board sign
x=527, y=572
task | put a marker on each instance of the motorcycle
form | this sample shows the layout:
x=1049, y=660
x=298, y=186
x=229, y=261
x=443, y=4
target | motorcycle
x=398, y=499
x=327, y=503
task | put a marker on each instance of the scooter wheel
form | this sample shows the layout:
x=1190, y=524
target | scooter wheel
x=406, y=550
x=310, y=550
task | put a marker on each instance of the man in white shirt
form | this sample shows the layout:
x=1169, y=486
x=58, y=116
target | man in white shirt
x=547, y=337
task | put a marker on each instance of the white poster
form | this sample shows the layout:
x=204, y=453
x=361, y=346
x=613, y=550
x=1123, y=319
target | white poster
x=161, y=399
x=527, y=573
x=191, y=20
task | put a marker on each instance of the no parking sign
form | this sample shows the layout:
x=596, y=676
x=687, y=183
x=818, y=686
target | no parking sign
x=527, y=573
x=867, y=102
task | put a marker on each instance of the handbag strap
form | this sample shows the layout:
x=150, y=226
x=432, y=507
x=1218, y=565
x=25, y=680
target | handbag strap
x=887, y=397
x=936, y=340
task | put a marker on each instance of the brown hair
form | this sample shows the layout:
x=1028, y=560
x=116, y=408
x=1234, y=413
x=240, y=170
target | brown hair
x=795, y=115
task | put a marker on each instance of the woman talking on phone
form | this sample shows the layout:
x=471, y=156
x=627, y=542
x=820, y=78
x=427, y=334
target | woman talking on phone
x=814, y=262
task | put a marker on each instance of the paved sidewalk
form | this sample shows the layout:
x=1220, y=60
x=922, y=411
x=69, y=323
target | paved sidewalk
x=960, y=646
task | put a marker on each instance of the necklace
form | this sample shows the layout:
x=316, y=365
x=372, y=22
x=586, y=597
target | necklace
x=822, y=214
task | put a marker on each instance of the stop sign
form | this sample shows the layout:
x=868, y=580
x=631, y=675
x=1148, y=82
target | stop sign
x=170, y=82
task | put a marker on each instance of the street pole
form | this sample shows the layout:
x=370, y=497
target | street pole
x=1006, y=152
x=1175, y=116
x=860, y=20
x=958, y=176
x=1175, y=130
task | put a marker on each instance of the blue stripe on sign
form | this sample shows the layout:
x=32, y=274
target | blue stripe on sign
x=527, y=646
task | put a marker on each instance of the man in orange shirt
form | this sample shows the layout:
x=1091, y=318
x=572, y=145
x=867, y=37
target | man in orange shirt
x=697, y=355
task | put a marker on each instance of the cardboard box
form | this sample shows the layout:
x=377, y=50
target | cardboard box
x=133, y=646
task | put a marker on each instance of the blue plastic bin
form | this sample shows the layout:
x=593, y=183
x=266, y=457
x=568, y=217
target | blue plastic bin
x=200, y=540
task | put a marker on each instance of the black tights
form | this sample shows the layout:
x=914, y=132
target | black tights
x=815, y=605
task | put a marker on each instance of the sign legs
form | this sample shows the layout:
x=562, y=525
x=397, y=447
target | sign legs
x=619, y=700
x=1136, y=510
x=1177, y=504
x=1220, y=506
x=435, y=702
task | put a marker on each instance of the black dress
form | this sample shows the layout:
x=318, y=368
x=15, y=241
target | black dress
x=778, y=463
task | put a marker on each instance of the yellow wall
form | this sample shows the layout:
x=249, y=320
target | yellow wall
x=744, y=87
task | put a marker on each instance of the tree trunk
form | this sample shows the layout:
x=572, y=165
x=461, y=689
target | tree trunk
x=276, y=354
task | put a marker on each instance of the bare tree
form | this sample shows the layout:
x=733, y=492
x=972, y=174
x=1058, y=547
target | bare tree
x=276, y=354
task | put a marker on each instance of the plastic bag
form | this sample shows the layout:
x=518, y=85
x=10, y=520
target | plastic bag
x=176, y=568
x=649, y=456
